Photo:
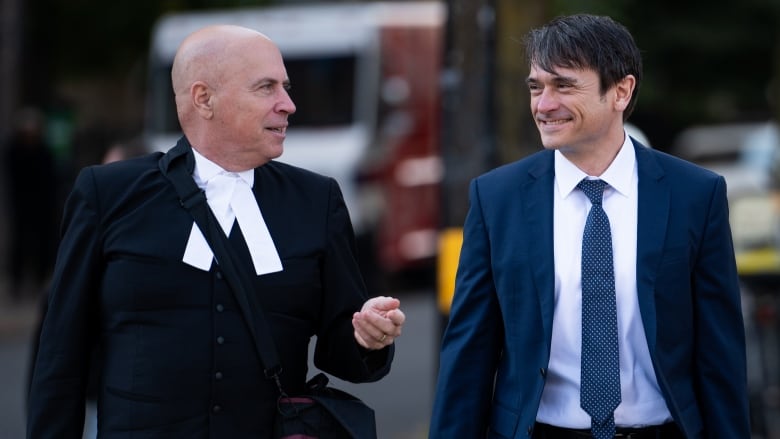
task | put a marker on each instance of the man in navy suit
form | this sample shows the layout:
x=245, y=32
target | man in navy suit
x=136, y=282
x=511, y=359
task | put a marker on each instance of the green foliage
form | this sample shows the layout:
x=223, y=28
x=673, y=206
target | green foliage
x=713, y=61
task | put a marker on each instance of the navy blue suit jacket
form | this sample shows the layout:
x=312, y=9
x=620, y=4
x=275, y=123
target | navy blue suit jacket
x=175, y=356
x=497, y=345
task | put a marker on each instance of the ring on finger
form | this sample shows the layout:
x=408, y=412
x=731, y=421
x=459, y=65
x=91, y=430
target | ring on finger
x=384, y=336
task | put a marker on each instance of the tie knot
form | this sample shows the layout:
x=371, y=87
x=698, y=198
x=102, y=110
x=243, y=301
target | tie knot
x=594, y=189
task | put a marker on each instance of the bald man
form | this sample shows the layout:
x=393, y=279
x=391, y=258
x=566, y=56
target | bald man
x=136, y=282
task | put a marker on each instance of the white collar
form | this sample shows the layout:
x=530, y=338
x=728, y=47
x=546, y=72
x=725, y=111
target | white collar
x=618, y=175
x=205, y=170
x=197, y=253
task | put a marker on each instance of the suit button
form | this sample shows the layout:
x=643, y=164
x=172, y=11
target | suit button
x=220, y=307
x=530, y=430
x=218, y=376
x=219, y=275
x=220, y=340
x=543, y=371
x=216, y=408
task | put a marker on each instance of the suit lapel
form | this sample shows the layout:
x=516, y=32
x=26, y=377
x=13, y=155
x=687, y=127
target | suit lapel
x=653, y=214
x=538, y=191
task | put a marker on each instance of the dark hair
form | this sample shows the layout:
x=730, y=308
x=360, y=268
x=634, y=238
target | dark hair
x=587, y=42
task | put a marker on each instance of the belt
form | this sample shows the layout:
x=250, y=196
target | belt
x=665, y=431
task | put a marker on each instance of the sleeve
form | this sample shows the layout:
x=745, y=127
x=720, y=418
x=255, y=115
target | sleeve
x=57, y=392
x=337, y=352
x=720, y=348
x=472, y=342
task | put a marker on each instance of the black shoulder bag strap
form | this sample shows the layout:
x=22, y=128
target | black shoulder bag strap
x=193, y=199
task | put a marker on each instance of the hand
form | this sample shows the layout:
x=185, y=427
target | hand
x=378, y=323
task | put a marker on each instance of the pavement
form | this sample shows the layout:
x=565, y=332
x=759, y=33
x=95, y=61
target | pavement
x=17, y=325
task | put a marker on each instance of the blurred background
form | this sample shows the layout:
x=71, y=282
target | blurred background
x=403, y=102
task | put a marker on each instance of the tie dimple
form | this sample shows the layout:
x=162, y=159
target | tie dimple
x=600, y=374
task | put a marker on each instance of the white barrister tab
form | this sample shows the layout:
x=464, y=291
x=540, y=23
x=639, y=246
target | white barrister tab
x=231, y=199
x=198, y=254
x=261, y=246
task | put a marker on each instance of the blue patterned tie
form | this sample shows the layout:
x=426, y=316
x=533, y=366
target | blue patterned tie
x=600, y=376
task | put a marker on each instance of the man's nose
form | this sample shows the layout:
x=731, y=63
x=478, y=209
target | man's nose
x=546, y=101
x=286, y=104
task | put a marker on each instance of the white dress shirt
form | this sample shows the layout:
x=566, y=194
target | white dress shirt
x=641, y=400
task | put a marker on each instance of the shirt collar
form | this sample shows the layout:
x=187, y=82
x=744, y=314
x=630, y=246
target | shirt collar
x=205, y=170
x=618, y=175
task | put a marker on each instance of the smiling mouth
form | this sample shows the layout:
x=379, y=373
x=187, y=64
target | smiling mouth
x=553, y=122
x=279, y=130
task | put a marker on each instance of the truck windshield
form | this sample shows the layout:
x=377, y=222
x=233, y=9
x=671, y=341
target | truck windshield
x=323, y=89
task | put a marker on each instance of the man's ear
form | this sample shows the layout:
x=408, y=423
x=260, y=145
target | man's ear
x=624, y=89
x=202, y=99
